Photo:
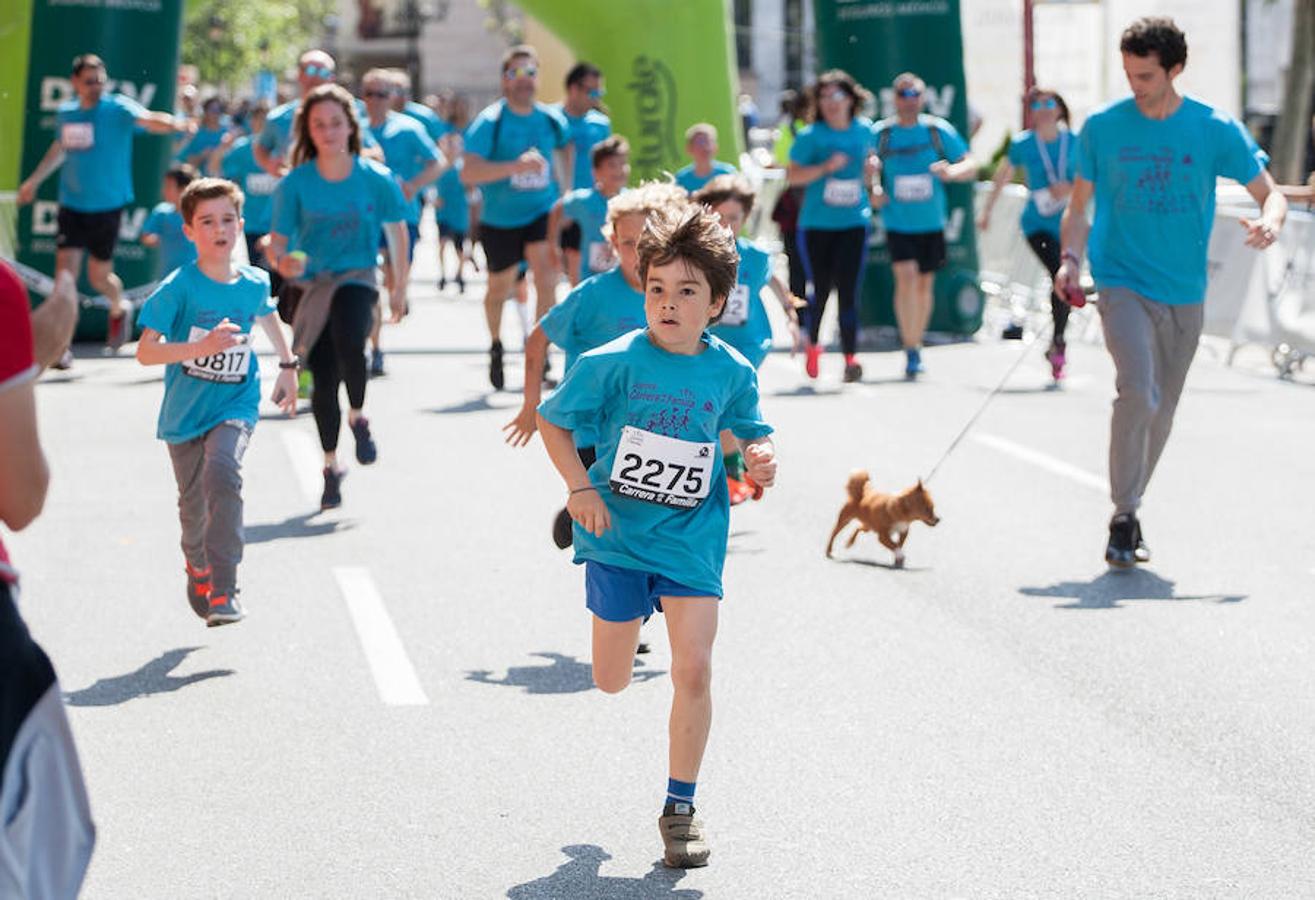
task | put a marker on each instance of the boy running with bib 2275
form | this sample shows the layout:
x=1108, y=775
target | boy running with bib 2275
x=652, y=513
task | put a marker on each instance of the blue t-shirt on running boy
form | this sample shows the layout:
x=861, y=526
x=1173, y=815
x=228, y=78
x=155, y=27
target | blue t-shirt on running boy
x=1155, y=193
x=1044, y=162
x=454, y=211
x=337, y=223
x=239, y=166
x=175, y=249
x=917, y=197
x=96, y=175
x=407, y=150
x=840, y=200
x=586, y=131
x=597, y=310
x=691, y=181
x=744, y=324
x=200, y=394
x=500, y=135
x=588, y=207
x=631, y=383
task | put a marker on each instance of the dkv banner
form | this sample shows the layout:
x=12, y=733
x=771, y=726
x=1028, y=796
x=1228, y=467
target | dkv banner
x=667, y=66
x=138, y=39
x=875, y=40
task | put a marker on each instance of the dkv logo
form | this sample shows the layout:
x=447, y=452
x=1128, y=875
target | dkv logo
x=56, y=90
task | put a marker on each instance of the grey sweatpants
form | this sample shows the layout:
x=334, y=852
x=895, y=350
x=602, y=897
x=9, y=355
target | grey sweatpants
x=209, y=474
x=1152, y=345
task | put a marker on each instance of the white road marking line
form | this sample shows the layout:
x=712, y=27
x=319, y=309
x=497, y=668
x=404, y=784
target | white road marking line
x=394, y=675
x=307, y=462
x=1044, y=461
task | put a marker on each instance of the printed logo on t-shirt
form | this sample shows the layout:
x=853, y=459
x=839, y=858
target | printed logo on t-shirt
x=77, y=135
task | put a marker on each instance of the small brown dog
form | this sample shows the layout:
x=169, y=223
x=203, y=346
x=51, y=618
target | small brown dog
x=888, y=516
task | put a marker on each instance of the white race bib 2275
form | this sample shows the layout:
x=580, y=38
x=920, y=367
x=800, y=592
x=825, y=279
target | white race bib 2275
x=226, y=367
x=913, y=188
x=662, y=470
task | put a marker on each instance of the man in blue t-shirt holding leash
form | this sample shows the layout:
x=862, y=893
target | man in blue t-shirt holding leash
x=1150, y=162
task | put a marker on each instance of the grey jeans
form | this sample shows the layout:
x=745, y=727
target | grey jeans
x=209, y=474
x=1152, y=345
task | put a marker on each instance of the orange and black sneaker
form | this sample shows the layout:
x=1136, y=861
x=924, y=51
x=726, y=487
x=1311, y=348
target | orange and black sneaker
x=224, y=610
x=198, y=589
x=755, y=489
x=738, y=490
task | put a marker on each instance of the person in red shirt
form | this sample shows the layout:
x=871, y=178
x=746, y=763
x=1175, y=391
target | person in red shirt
x=48, y=835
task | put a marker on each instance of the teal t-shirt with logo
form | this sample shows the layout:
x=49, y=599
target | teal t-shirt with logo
x=744, y=324
x=96, y=175
x=840, y=200
x=175, y=249
x=202, y=393
x=407, y=150
x=1154, y=185
x=916, y=203
x=1044, y=162
x=662, y=413
x=500, y=135
x=337, y=223
x=258, y=186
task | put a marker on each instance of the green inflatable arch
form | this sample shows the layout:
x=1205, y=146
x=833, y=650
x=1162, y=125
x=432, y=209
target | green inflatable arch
x=667, y=65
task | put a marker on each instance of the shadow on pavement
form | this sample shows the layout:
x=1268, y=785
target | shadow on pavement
x=152, y=678
x=1110, y=589
x=578, y=878
x=565, y=676
x=474, y=404
x=293, y=527
x=874, y=564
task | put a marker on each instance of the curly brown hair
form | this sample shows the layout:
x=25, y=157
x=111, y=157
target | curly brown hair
x=859, y=96
x=303, y=148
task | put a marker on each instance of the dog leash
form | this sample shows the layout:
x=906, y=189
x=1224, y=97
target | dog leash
x=1027, y=349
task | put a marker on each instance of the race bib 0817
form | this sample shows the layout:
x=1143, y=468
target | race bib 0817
x=225, y=367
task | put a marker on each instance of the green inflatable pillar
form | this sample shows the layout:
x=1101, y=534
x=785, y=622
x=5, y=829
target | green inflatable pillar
x=667, y=66
x=139, y=42
x=874, y=41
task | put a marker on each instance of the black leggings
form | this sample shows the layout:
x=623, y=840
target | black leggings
x=834, y=259
x=1046, y=247
x=339, y=356
x=798, y=280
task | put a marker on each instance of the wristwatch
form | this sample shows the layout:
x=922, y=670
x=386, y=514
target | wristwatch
x=292, y=364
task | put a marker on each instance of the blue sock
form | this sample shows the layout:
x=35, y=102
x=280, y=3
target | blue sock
x=680, y=791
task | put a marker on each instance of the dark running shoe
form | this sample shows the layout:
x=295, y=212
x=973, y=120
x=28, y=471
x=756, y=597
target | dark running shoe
x=1121, y=551
x=366, y=452
x=332, y=496
x=642, y=647
x=495, y=366
x=224, y=610
x=377, y=364
x=853, y=372
x=563, y=533
x=198, y=589
x=1140, y=551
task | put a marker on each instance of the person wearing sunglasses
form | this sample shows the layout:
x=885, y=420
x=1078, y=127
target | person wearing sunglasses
x=1047, y=154
x=1151, y=162
x=831, y=159
x=415, y=163
x=272, y=148
x=919, y=154
x=588, y=126
x=93, y=151
x=516, y=151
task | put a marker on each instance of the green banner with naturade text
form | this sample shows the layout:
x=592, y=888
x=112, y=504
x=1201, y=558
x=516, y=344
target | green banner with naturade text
x=667, y=64
x=875, y=40
x=138, y=40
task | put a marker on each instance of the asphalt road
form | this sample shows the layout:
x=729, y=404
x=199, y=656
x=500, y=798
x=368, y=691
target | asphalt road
x=408, y=711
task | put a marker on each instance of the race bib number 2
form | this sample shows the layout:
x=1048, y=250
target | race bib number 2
x=737, y=306
x=662, y=470
x=226, y=367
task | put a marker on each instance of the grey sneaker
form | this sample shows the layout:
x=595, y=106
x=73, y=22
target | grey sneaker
x=682, y=837
x=224, y=610
x=1121, y=550
x=198, y=589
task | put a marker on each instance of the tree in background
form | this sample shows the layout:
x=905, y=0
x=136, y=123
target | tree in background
x=1293, y=133
x=229, y=42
